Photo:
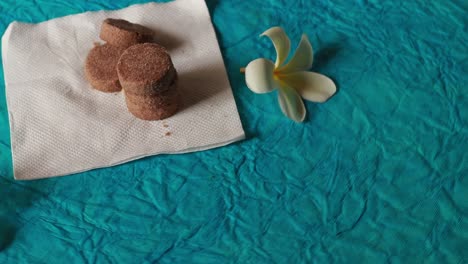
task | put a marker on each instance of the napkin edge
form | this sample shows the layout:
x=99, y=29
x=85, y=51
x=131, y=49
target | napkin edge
x=5, y=38
x=189, y=150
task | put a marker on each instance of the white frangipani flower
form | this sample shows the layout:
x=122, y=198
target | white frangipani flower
x=292, y=79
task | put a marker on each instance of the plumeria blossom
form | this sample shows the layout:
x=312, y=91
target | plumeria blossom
x=292, y=79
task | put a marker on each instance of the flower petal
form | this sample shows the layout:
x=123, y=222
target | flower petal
x=311, y=86
x=259, y=75
x=291, y=103
x=302, y=59
x=281, y=42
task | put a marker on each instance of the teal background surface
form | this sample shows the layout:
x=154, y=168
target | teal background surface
x=378, y=174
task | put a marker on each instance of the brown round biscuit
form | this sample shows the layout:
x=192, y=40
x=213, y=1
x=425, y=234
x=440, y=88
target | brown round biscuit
x=119, y=32
x=153, y=107
x=145, y=69
x=100, y=68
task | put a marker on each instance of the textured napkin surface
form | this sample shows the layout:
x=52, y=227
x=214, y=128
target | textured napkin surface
x=59, y=125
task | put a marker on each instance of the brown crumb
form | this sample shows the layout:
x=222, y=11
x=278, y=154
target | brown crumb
x=165, y=125
x=168, y=134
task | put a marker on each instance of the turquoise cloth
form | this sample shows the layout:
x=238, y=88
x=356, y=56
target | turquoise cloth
x=378, y=174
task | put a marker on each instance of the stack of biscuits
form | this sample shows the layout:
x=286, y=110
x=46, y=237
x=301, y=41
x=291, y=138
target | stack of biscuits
x=129, y=61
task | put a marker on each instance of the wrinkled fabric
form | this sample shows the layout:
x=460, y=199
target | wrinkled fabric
x=378, y=174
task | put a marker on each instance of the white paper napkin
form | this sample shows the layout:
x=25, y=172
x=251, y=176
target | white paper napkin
x=59, y=125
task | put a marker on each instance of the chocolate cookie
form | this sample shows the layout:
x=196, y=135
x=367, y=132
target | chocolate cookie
x=153, y=107
x=100, y=68
x=119, y=32
x=146, y=69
